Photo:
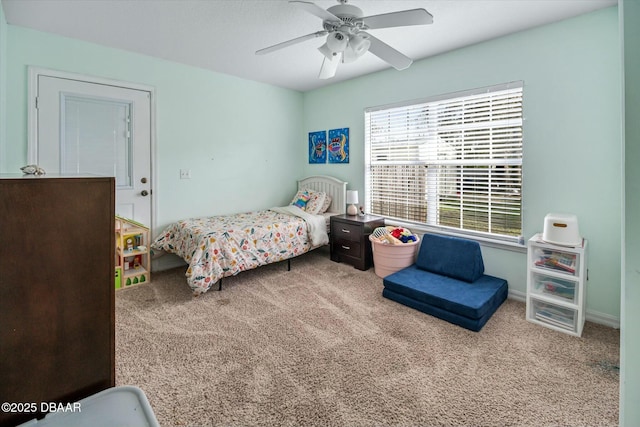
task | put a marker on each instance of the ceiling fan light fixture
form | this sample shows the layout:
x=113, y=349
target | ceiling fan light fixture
x=337, y=41
x=358, y=46
x=328, y=53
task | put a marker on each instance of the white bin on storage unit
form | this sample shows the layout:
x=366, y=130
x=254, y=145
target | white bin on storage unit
x=561, y=229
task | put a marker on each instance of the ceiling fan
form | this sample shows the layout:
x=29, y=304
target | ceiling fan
x=347, y=38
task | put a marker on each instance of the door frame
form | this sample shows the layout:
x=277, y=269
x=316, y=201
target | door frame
x=32, y=142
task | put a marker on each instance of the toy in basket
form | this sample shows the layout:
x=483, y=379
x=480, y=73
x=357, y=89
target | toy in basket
x=394, y=248
x=393, y=235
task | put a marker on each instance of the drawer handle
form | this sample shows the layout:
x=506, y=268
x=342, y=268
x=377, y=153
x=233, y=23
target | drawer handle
x=345, y=247
x=346, y=231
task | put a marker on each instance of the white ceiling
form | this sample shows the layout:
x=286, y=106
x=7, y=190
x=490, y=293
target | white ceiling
x=223, y=35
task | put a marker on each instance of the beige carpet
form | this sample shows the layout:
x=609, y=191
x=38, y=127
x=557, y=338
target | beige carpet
x=320, y=346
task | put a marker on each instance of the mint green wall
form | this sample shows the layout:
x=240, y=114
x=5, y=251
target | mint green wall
x=572, y=154
x=3, y=85
x=630, y=322
x=238, y=137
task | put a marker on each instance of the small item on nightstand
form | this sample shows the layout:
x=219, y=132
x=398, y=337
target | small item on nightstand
x=361, y=211
x=352, y=201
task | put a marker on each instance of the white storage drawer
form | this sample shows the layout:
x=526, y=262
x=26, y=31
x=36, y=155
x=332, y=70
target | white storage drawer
x=561, y=289
x=554, y=315
x=556, y=260
x=556, y=285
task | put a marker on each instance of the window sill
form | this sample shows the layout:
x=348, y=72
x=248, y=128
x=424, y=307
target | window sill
x=506, y=245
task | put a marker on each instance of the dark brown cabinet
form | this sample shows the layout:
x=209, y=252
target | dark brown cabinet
x=57, y=301
x=350, y=239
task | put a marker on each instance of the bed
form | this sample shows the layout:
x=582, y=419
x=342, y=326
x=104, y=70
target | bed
x=225, y=245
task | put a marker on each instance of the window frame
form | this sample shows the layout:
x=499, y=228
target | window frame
x=422, y=111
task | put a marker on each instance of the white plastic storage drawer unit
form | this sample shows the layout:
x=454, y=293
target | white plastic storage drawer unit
x=556, y=285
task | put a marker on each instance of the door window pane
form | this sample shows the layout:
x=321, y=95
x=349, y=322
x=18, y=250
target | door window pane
x=96, y=138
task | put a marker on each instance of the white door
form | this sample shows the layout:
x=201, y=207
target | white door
x=101, y=129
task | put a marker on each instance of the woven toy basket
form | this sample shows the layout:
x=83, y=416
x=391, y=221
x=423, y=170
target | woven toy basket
x=388, y=259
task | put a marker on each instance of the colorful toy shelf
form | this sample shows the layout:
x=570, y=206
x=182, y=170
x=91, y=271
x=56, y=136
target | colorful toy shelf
x=132, y=253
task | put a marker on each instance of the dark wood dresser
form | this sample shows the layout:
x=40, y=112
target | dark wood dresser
x=349, y=239
x=57, y=300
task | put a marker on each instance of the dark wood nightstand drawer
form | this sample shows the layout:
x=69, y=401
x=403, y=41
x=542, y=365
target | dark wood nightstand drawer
x=350, y=239
x=344, y=231
x=348, y=248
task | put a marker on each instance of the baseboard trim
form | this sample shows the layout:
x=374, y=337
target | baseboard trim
x=517, y=295
x=603, y=319
x=590, y=316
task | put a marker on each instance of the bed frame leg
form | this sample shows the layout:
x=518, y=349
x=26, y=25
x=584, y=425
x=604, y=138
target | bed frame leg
x=289, y=264
x=220, y=284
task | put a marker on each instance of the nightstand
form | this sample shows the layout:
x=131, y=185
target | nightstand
x=350, y=239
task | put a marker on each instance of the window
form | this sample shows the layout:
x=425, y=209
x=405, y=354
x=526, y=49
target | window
x=452, y=161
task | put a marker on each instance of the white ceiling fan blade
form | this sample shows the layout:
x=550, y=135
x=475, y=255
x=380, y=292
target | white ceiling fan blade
x=388, y=54
x=290, y=42
x=403, y=18
x=329, y=67
x=316, y=10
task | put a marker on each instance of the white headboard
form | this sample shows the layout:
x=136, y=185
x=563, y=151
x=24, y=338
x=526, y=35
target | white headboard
x=332, y=186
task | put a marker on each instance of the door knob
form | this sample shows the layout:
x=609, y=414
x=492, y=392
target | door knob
x=144, y=192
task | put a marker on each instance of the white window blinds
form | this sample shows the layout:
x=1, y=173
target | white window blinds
x=450, y=161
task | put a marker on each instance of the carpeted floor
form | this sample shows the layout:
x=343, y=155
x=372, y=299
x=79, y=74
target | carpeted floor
x=320, y=346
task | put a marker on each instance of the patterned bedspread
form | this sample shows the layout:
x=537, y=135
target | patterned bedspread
x=226, y=245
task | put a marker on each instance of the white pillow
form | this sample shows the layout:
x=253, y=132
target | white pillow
x=325, y=205
x=315, y=203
